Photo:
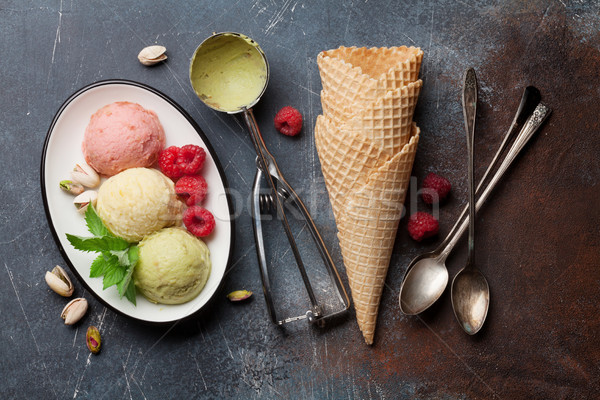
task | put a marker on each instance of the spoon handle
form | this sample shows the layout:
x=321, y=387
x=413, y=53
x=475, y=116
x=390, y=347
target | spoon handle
x=529, y=100
x=536, y=119
x=469, y=102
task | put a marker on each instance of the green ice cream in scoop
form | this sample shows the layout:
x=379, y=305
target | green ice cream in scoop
x=173, y=266
x=228, y=72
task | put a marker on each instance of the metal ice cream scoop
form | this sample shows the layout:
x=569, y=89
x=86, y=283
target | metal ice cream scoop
x=229, y=72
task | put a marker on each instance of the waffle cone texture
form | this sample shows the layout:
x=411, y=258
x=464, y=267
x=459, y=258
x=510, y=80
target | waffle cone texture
x=366, y=142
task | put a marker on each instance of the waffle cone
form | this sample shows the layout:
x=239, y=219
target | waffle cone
x=385, y=121
x=366, y=142
x=367, y=229
x=346, y=159
x=361, y=75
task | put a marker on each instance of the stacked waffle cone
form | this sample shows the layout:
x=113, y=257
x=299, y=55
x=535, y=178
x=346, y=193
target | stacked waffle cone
x=366, y=141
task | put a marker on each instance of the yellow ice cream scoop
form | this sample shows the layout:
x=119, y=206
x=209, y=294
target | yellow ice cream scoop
x=137, y=202
x=173, y=267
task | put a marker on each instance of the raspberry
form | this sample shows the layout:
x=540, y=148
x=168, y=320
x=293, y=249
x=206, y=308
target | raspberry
x=192, y=188
x=288, y=121
x=191, y=159
x=167, y=162
x=199, y=221
x=197, y=198
x=435, y=188
x=422, y=225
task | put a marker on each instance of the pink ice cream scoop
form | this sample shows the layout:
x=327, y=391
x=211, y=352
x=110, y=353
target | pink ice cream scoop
x=122, y=135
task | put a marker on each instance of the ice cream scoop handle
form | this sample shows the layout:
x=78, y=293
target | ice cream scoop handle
x=267, y=163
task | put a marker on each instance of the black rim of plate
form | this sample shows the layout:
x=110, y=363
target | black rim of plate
x=208, y=147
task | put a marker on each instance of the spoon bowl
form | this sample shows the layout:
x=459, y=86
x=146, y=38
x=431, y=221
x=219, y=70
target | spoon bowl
x=470, y=299
x=424, y=283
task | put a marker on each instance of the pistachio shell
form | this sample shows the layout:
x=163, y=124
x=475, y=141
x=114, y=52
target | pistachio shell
x=74, y=310
x=86, y=175
x=152, y=55
x=58, y=280
x=93, y=340
x=85, y=199
x=71, y=187
x=239, y=295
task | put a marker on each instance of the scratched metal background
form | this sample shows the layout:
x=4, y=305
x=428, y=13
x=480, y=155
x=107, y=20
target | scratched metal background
x=538, y=240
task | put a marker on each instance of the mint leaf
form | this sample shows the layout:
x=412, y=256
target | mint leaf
x=94, y=223
x=130, y=292
x=98, y=244
x=98, y=267
x=134, y=254
x=115, y=273
x=122, y=256
x=79, y=242
x=114, y=243
x=117, y=260
x=123, y=285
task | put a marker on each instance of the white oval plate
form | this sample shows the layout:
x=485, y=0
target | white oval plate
x=62, y=150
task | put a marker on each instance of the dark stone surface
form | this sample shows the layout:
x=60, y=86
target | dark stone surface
x=538, y=240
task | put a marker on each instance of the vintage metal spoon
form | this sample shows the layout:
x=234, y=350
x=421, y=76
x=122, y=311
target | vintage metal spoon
x=470, y=290
x=427, y=276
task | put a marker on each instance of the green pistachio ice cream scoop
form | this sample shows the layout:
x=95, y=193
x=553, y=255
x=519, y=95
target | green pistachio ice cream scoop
x=229, y=72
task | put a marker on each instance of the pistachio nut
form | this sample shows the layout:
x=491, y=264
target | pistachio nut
x=239, y=295
x=85, y=199
x=59, y=281
x=85, y=175
x=74, y=310
x=71, y=187
x=92, y=338
x=152, y=55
